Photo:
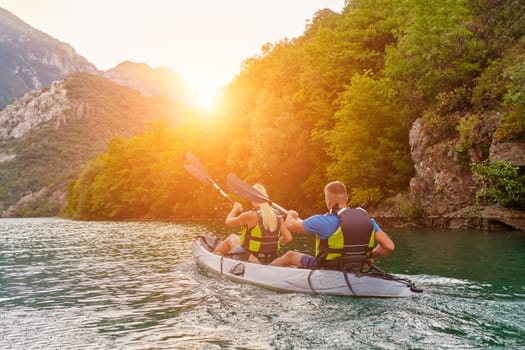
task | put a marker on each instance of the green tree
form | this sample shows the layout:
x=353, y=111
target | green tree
x=369, y=143
x=502, y=183
x=436, y=52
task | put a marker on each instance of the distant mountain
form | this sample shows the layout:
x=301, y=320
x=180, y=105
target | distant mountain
x=31, y=59
x=55, y=117
x=160, y=81
x=47, y=136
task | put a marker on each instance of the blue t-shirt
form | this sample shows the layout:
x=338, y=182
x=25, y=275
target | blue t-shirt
x=325, y=225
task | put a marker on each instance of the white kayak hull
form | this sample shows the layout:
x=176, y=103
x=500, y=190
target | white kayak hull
x=292, y=279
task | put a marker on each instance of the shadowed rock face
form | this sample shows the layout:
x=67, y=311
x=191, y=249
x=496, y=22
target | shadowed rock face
x=31, y=59
x=440, y=185
x=445, y=189
x=513, y=152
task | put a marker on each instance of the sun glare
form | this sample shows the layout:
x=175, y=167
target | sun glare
x=205, y=90
x=206, y=99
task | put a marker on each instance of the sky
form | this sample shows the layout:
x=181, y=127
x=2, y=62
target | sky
x=205, y=41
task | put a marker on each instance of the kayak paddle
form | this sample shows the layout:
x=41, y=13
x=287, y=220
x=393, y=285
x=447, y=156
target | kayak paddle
x=197, y=170
x=244, y=190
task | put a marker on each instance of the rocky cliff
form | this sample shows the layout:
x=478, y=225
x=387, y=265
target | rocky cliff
x=444, y=188
x=31, y=59
x=34, y=108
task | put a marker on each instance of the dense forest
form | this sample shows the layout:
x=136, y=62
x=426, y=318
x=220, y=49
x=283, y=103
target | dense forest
x=337, y=102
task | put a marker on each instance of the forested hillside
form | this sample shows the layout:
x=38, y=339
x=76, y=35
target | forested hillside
x=338, y=102
x=48, y=136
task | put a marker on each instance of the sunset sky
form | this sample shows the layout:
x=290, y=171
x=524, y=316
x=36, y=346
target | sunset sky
x=205, y=41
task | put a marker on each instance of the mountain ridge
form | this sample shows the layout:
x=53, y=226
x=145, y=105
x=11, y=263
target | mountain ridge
x=150, y=81
x=31, y=59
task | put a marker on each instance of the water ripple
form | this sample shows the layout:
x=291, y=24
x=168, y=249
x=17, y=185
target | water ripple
x=104, y=285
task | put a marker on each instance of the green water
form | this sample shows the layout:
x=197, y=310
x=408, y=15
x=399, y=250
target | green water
x=105, y=285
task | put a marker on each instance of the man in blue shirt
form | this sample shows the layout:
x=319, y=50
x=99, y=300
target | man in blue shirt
x=325, y=225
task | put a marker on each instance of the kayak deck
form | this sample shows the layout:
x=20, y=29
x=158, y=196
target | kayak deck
x=302, y=280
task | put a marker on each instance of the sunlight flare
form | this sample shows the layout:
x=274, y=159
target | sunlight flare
x=206, y=99
x=204, y=91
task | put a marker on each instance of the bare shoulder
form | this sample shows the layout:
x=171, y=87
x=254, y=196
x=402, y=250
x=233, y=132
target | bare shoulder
x=249, y=218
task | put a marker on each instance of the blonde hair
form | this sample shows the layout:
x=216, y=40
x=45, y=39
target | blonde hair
x=269, y=219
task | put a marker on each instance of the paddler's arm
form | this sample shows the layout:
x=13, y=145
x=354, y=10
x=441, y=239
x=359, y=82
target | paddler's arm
x=233, y=218
x=384, y=247
x=294, y=223
x=286, y=235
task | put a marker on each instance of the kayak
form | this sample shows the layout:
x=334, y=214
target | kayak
x=374, y=283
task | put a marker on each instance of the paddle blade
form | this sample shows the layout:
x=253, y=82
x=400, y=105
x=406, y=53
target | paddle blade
x=196, y=164
x=196, y=173
x=244, y=190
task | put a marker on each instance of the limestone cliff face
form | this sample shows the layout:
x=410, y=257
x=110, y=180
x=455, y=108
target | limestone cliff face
x=444, y=187
x=31, y=59
x=34, y=108
x=513, y=152
x=441, y=185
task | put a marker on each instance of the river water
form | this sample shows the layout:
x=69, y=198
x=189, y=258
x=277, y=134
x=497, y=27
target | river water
x=112, y=285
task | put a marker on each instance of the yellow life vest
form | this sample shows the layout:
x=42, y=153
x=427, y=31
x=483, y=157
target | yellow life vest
x=260, y=240
x=355, y=237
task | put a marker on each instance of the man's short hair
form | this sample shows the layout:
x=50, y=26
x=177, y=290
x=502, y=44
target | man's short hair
x=336, y=187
